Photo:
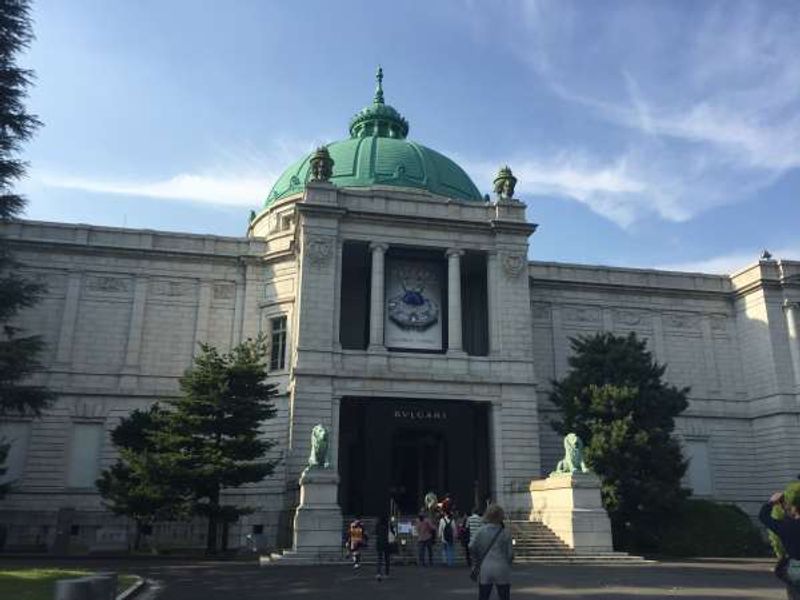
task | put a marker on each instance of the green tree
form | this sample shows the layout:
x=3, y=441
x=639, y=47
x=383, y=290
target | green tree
x=18, y=353
x=209, y=438
x=133, y=485
x=615, y=399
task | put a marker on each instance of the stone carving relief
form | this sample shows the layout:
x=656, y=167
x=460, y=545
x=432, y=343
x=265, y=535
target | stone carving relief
x=631, y=317
x=318, y=249
x=719, y=323
x=513, y=265
x=686, y=321
x=165, y=287
x=541, y=310
x=224, y=291
x=582, y=314
x=110, y=285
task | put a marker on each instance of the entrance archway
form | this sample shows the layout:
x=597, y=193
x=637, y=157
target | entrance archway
x=419, y=465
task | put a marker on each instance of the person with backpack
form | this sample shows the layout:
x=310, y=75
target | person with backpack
x=356, y=541
x=447, y=533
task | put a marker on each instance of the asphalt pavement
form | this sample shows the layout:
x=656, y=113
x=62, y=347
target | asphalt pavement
x=208, y=580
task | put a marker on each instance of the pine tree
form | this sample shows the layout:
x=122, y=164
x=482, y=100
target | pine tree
x=614, y=398
x=210, y=440
x=18, y=354
x=133, y=486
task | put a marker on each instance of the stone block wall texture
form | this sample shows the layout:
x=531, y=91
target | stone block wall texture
x=728, y=343
x=125, y=310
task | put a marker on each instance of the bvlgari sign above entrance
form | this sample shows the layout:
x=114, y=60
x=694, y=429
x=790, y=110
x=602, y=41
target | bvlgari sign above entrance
x=413, y=315
x=420, y=414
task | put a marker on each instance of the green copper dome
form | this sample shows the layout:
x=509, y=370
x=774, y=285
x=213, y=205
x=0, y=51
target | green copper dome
x=378, y=153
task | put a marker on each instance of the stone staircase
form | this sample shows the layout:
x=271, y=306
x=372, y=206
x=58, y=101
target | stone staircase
x=534, y=542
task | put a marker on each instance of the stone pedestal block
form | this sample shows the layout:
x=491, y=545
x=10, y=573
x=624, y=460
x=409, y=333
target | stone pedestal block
x=317, y=521
x=570, y=505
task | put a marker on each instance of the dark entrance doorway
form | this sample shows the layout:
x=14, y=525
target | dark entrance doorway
x=400, y=449
x=419, y=464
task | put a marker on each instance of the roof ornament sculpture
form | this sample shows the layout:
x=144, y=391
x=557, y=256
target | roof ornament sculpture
x=766, y=255
x=379, y=119
x=379, y=87
x=504, y=184
x=321, y=165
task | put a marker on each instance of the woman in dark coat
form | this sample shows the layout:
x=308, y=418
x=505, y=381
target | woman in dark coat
x=383, y=531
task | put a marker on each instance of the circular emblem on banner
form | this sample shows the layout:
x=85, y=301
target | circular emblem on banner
x=412, y=309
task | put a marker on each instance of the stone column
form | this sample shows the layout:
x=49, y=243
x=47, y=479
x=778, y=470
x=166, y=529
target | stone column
x=68, y=319
x=376, y=303
x=454, y=344
x=793, y=324
x=133, y=347
x=202, y=316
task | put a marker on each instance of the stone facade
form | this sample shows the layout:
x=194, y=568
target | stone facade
x=125, y=310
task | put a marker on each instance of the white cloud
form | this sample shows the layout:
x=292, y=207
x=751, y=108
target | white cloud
x=243, y=177
x=228, y=190
x=608, y=189
x=707, y=113
x=726, y=264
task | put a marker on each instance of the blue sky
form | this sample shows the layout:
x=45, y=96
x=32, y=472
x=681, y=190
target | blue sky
x=655, y=134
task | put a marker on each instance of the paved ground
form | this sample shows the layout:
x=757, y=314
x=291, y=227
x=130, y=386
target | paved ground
x=186, y=580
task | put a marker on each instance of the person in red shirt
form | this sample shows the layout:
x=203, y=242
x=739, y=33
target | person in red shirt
x=356, y=540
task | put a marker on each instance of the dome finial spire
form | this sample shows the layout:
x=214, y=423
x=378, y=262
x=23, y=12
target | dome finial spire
x=379, y=87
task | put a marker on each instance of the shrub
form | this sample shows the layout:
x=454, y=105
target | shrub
x=706, y=528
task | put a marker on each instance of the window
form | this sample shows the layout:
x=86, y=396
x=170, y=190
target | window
x=277, y=360
x=84, y=456
x=15, y=434
x=699, y=472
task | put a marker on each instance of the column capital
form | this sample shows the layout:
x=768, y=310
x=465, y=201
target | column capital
x=790, y=304
x=451, y=252
x=380, y=246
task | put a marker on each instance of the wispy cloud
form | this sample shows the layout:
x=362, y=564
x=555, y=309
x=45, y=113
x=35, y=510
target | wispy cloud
x=609, y=189
x=726, y=264
x=243, y=177
x=708, y=109
x=214, y=189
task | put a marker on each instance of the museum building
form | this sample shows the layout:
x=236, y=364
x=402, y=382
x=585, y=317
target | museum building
x=403, y=314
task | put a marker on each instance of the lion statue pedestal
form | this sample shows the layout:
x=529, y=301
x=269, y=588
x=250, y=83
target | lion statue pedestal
x=318, y=518
x=568, y=502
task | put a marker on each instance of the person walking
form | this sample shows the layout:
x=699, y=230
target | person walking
x=447, y=533
x=493, y=551
x=473, y=523
x=463, y=536
x=384, y=530
x=788, y=531
x=356, y=540
x=425, y=532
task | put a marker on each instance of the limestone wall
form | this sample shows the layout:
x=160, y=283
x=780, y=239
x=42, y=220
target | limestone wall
x=122, y=317
x=727, y=343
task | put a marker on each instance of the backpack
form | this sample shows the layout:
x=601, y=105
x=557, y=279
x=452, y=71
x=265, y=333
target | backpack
x=447, y=533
